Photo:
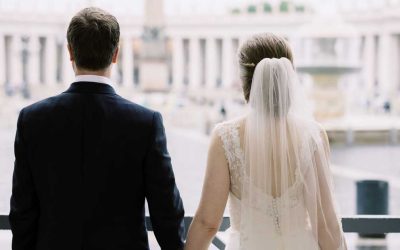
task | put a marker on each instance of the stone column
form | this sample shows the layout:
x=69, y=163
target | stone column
x=227, y=62
x=127, y=63
x=235, y=49
x=114, y=73
x=194, y=60
x=177, y=63
x=34, y=60
x=384, y=65
x=396, y=62
x=2, y=61
x=355, y=53
x=211, y=62
x=242, y=39
x=15, y=62
x=307, y=50
x=369, y=63
x=68, y=74
x=50, y=62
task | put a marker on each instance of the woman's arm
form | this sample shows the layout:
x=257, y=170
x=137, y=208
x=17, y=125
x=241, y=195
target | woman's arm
x=329, y=232
x=215, y=192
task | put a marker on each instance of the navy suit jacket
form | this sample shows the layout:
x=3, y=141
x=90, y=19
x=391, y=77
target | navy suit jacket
x=85, y=161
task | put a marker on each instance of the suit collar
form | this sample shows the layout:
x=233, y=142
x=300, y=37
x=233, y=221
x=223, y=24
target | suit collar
x=90, y=88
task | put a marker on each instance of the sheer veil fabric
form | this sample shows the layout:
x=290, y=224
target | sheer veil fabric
x=287, y=193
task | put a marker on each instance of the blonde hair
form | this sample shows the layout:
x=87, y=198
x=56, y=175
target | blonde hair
x=256, y=48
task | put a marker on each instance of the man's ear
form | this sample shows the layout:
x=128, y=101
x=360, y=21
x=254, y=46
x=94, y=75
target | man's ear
x=115, y=56
x=71, y=54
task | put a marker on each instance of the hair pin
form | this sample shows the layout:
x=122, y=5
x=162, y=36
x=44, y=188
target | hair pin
x=249, y=64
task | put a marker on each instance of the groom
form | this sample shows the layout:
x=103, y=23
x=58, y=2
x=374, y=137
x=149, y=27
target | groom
x=86, y=160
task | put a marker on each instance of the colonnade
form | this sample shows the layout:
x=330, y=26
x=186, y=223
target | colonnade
x=196, y=61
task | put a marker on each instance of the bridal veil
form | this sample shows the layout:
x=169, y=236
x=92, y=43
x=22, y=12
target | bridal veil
x=286, y=151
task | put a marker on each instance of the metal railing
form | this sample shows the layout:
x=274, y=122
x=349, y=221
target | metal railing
x=363, y=224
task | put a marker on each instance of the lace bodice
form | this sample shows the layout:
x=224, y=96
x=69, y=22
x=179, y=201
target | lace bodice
x=230, y=137
x=229, y=134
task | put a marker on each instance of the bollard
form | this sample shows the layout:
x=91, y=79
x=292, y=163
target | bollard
x=372, y=199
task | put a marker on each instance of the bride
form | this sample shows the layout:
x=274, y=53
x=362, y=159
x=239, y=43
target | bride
x=273, y=164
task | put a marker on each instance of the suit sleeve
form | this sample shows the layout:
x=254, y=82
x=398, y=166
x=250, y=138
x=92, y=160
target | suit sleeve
x=163, y=198
x=24, y=208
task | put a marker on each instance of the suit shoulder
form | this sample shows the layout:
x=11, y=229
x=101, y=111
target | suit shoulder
x=40, y=106
x=137, y=108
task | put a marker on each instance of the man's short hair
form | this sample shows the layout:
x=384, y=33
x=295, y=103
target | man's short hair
x=93, y=35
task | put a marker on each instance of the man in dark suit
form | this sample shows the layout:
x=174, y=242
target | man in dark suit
x=86, y=160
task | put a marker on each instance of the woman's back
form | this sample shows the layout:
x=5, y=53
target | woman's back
x=232, y=135
x=271, y=210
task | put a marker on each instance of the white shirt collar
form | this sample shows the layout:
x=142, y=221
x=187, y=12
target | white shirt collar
x=94, y=78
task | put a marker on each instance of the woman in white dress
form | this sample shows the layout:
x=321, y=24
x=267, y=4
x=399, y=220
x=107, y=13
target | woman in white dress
x=273, y=164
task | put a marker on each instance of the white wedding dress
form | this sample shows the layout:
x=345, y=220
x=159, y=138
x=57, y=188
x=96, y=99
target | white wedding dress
x=281, y=190
x=268, y=230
